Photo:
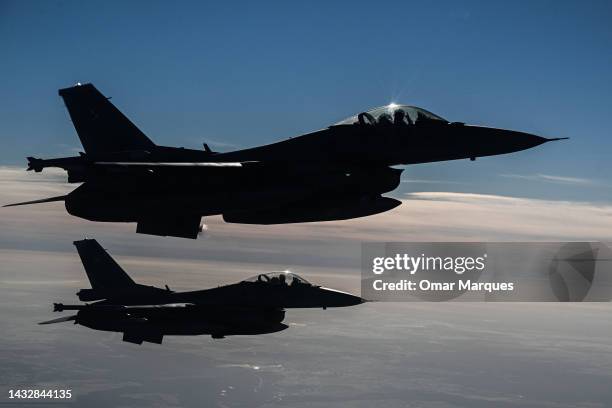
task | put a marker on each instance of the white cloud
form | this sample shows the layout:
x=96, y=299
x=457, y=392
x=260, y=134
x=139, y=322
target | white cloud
x=327, y=253
x=426, y=181
x=423, y=216
x=554, y=179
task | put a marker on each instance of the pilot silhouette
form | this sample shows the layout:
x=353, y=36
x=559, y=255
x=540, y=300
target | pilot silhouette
x=398, y=117
x=384, y=119
x=365, y=118
x=421, y=118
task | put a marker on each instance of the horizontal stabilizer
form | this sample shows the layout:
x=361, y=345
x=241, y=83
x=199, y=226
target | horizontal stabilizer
x=44, y=200
x=60, y=320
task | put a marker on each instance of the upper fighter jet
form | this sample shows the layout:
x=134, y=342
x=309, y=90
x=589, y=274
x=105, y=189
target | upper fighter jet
x=147, y=313
x=336, y=173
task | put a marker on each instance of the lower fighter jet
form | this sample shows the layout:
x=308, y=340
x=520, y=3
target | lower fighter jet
x=336, y=173
x=147, y=314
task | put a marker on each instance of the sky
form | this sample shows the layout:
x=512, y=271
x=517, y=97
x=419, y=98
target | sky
x=238, y=74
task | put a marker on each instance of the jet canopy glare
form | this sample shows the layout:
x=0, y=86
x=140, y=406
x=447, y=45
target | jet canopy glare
x=392, y=113
x=285, y=278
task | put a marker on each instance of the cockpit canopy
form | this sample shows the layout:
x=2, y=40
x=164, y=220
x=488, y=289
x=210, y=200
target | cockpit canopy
x=392, y=113
x=279, y=278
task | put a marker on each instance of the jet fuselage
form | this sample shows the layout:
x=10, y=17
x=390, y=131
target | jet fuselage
x=339, y=172
x=146, y=313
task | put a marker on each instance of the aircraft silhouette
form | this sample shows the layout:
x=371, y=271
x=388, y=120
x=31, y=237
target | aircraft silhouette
x=336, y=173
x=146, y=313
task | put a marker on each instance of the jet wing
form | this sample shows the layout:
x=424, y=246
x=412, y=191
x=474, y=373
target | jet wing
x=182, y=226
x=176, y=168
x=153, y=165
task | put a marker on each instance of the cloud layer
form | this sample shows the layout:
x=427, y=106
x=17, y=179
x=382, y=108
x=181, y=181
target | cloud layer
x=423, y=216
x=328, y=251
x=547, y=178
x=433, y=354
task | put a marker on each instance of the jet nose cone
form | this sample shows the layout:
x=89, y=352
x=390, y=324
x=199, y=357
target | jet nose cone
x=346, y=299
x=533, y=140
x=530, y=140
x=355, y=300
x=520, y=140
x=491, y=141
x=337, y=298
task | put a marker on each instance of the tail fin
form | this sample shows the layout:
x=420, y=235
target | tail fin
x=102, y=270
x=101, y=127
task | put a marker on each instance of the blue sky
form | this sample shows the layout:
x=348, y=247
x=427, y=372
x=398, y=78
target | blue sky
x=242, y=74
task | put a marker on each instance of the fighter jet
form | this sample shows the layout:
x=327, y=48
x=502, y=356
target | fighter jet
x=147, y=314
x=339, y=172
